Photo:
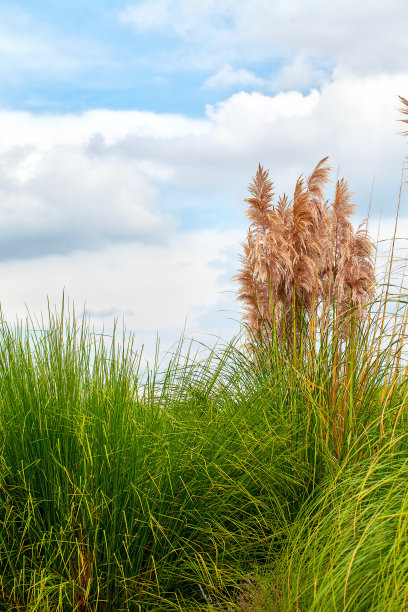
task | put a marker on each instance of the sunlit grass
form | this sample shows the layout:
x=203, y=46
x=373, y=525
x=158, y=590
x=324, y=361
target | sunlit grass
x=263, y=479
x=120, y=495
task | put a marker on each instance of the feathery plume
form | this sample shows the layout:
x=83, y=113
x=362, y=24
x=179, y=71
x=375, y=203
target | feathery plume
x=251, y=290
x=303, y=253
x=342, y=209
x=261, y=189
x=318, y=180
x=267, y=254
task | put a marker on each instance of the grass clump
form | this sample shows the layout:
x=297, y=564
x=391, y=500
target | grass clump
x=124, y=491
x=349, y=545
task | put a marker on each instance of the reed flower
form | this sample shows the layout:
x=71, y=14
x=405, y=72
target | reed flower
x=302, y=257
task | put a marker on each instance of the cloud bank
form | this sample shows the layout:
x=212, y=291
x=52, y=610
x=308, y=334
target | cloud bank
x=83, y=182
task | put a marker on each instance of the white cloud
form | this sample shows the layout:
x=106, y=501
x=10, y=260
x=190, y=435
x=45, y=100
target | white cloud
x=69, y=200
x=222, y=32
x=301, y=72
x=60, y=192
x=173, y=279
x=46, y=130
x=85, y=181
x=353, y=120
x=180, y=16
x=261, y=110
x=227, y=78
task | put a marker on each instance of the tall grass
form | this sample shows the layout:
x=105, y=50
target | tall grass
x=118, y=495
x=269, y=475
x=124, y=489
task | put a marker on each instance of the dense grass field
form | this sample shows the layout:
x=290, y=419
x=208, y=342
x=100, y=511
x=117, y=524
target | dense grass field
x=244, y=480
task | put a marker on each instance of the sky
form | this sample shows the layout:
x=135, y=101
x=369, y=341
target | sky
x=131, y=129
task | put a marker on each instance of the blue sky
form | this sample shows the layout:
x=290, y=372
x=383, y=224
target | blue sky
x=130, y=131
x=99, y=54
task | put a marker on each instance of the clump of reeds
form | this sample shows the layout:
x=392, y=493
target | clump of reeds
x=303, y=260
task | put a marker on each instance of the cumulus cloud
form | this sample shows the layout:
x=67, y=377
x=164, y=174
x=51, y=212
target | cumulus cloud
x=353, y=120
x=46, y=130
x=303, y=72
x=60, y=192
x=174, y=279
x=69, y=200
x=86, y=181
